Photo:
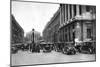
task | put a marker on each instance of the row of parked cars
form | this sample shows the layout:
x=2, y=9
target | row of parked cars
x=70, y=48
x=87, y=47
x=20, y=46
x=65, y=48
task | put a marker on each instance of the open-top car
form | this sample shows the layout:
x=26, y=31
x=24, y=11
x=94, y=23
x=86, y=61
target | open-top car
x=14, y=49
x=47, y=48
x=58, y=46
x=69, y=50
x=87, y=48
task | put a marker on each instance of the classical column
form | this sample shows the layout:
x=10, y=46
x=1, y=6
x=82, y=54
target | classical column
x=60, y=15
x=78, y=31
x=83, y=9
x=65, y=15
x=72, y=11
x=33, y=36
x=77, y=9
x=68, y=11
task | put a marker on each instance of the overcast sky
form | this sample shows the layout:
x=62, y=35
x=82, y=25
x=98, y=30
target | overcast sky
x=33, y=15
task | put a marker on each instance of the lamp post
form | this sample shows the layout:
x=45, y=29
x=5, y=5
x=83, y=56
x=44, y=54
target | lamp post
x=32, y=35
x=32, y=46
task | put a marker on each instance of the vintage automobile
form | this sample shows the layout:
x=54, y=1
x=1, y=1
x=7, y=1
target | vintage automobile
x=46, y=48
x=19, y=46
x=51, y=45
x=25, y=47
x=14, y=49
x=22, y=47
x=35, y=48
x=87, y=48
x=78, y=48
x=69, y=50
x=58, y=47
x=42, y=44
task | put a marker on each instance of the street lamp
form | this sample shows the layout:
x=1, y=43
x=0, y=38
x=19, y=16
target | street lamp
x=32, y=35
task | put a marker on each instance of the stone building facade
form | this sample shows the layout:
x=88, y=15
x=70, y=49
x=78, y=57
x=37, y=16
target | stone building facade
x=50, y=33
x=74, y=23
x=17, y=32
x=78, y=22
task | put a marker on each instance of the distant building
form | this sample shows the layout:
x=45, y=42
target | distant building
x=72, y=22
x=29, y=36
x=17, y=33
x=50, y=33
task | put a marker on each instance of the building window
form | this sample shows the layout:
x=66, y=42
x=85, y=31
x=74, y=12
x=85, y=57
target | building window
x=80, y=9
x=69, y=34
x=64, y=12
x=87, y=8
x=66, y=33
x=66, y=29
x=89, y=31
x=67, y=11
x=73, y=35
x=70, y=11
x=94, y=9
x=74, y=10
x=66, y=37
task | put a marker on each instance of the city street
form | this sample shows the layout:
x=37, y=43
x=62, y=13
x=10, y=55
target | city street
x=43, y=27
x=28, y=58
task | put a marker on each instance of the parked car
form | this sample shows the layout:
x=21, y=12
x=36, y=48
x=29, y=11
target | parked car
x=58, y=47
x=51, y=46
x=42, y=44
x=14, y=49
x=26, y=47
x=87, y=48
x=46, y=48
x=20, y=46
x=78, y=48
x=69, y=50
x=37, y=48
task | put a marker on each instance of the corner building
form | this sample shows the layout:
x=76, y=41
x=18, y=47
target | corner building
x=72, y=22
x=77, y=22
